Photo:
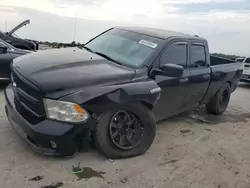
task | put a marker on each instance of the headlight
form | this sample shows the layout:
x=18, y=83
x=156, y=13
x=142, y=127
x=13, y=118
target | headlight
x=65, y=111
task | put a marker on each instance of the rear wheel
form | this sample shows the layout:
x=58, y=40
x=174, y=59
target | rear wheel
x=126, y=131
x=220, y=101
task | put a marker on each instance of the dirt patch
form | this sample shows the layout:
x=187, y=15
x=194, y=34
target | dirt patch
x=53, y=185
x=36, y=178
x=185, y=131
x=87, y=173
x=201, y=116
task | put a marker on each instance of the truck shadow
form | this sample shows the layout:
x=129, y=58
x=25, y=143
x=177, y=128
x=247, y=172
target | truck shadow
x=199, y=115
x=244, y=85
x=2, y=86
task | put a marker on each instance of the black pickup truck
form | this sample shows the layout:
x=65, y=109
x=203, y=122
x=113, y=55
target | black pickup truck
x=114, y=89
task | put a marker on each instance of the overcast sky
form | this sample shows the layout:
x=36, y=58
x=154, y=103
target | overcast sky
x=225, y=23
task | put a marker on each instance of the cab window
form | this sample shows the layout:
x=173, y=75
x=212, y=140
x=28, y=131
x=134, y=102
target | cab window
x=197, y=56
x=176, y=53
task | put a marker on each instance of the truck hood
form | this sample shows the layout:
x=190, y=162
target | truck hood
x=61, y=69
x=18, y=27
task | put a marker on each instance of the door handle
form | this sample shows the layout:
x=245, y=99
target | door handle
x=184, y=80
x=206, y=76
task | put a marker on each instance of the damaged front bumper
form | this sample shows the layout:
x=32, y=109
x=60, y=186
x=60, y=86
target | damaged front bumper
x=47, y=137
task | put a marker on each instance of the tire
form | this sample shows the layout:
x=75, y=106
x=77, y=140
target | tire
x=219, y=102
x=103, y=139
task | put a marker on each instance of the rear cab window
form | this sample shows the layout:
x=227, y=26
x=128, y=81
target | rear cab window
x=197, y=55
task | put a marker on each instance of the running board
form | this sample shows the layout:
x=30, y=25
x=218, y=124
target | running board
x=4, y=79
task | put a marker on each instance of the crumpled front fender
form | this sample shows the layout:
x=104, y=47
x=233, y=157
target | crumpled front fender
x=98, y=99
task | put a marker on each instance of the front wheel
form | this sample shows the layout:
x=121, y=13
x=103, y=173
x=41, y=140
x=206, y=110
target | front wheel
x=125, y=131
x=220, y=101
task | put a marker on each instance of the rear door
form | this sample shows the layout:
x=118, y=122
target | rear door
x=199, y=76
x=174, y=90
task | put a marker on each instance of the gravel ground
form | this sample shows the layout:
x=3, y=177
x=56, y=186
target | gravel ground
x=193, y=150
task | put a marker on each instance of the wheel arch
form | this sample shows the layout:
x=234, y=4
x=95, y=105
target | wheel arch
x=101, y=99
x=94, y=107
x=230, y=83
x=147, y=104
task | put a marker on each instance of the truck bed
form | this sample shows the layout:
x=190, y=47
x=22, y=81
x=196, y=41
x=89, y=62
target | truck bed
x=214, y=60
x=222, y=71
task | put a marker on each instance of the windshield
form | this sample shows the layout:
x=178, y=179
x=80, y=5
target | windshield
x=6, y=44
x=127, y=48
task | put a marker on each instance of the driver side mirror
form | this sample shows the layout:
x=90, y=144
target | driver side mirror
x=172, y=70
x=3, y=49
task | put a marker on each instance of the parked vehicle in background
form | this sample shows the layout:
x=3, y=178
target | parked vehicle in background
x=245, y=77
x=115, y=88
x=7, y=54
x=11, y=38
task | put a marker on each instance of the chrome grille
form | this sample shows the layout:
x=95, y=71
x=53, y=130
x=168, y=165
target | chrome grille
x=28, y=99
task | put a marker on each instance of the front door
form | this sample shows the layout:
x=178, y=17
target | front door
x=174, y=90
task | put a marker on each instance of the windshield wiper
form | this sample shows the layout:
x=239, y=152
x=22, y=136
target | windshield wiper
x=107, y=57
x=103, y=55
x=87, y=48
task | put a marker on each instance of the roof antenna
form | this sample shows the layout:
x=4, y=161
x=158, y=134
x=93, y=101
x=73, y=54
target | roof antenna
x=5, y=25
x=75, y=27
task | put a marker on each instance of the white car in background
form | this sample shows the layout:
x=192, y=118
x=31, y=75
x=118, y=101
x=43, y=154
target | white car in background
x=245, y=77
